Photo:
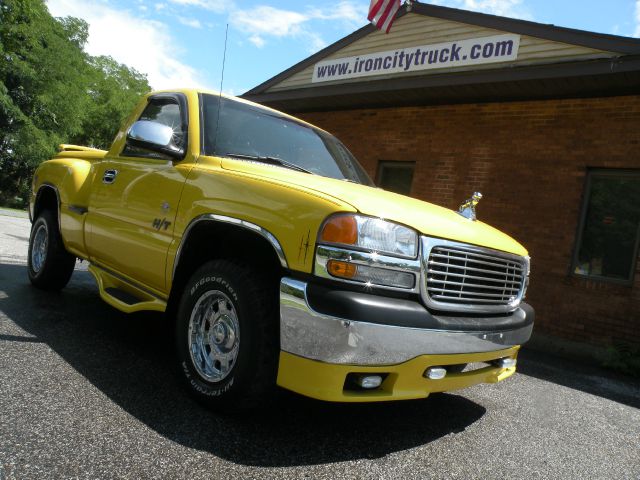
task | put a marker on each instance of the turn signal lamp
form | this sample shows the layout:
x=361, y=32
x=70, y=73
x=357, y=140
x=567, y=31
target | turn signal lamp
x=342, y=269
x=370, y=275
x=340, y=229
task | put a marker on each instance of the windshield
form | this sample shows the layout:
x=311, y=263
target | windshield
x=254, y=133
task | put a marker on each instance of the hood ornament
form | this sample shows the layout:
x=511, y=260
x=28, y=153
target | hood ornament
x=468, y=208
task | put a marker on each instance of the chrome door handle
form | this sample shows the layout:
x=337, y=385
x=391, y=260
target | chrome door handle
x=109, y=176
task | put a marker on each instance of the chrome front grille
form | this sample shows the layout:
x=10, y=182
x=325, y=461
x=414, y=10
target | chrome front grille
x=462, y=277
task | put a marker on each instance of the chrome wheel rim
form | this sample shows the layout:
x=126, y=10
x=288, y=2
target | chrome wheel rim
x=39, y=248
x=214, y=336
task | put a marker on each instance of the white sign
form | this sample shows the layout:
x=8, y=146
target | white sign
x=474, y=51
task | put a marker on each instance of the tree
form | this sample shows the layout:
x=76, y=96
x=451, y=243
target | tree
x=113, y=91
x=53, y=92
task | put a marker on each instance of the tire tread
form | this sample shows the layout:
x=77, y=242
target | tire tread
x=59, y=264
x=265, y=354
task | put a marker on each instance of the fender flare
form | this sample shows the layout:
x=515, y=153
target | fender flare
x=37, y=197
x=211, y=217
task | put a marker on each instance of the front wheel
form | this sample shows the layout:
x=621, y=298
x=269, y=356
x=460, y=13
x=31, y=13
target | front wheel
x=50, y=266
x=226, y=335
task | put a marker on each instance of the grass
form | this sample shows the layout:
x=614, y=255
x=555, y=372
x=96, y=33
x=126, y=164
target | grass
x=13, y=212
x=13, y=209
x=624, y=358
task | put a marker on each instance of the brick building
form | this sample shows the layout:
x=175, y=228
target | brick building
x=543, y=120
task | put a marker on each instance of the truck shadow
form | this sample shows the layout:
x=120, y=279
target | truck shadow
x=586, y=377
x=130, y=359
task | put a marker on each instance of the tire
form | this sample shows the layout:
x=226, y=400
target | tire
x=227, y=336
x=49, y=265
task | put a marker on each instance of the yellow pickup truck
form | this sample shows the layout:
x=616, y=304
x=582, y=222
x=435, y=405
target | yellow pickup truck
x=278, y=258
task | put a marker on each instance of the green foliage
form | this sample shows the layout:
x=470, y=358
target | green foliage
x=113, y=91
x=624, y=358
x=52, y=92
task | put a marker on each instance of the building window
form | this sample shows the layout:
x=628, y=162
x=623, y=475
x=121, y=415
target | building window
x=609, y=233
x=396, y=176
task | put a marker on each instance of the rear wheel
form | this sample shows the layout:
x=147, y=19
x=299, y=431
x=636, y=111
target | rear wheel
x=226, y=335
x=49, y=265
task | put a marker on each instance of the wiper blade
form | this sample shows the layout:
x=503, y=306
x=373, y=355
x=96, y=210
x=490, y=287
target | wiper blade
x=270, y=160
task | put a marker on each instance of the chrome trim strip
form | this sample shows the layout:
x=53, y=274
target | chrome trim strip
x=357, y=248
x=313, y=335
x=210, y=217
x=483, y=306
x=324, y=253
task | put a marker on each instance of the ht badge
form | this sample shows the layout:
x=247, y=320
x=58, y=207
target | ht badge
x=160, y=223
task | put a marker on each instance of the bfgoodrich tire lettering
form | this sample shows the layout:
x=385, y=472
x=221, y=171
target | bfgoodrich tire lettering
x=49, y=265
x=226, y=335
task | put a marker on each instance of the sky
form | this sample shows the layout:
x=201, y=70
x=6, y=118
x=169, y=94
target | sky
x=180, y=43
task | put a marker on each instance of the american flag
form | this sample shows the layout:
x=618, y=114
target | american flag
x=383, y=12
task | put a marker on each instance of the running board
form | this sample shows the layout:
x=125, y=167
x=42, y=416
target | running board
x=123, y=295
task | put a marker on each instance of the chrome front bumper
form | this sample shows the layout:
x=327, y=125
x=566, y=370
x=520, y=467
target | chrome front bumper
x=307, y=333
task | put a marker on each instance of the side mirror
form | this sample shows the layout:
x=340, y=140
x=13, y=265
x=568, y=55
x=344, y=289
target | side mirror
x=154, y=136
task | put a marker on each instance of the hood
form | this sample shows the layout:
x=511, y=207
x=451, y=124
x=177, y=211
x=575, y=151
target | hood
x=429, y=219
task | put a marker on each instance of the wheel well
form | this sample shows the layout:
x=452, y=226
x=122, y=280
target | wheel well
x=212, y=240
x=47, y=199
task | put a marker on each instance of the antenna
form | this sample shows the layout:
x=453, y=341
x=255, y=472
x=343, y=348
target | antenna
x=224, y=59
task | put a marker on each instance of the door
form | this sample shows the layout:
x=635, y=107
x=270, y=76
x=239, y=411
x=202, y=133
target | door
x=135, y=198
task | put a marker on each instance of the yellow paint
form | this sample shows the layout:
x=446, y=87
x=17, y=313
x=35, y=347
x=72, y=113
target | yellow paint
x=118, y=236
x=427, y=218
x=405, y=381
x=291, y=213
x=74, y=149
x=121, y=217
x=106, y=280
x=118, y=232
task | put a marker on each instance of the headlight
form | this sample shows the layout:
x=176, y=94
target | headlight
x=370, y=233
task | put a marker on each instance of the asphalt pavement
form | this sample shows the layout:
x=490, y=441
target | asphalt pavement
x=89, y=392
